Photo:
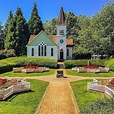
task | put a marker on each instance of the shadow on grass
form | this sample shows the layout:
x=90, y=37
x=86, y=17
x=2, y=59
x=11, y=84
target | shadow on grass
x=14, y=95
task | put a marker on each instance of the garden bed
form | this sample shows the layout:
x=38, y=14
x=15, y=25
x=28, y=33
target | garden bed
x=11, y=86
x=30, y=69
x=105, y=86
x=91, y=69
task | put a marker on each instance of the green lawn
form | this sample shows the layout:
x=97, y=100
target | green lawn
x=24, y=103
x=71, y=72
x=82, y=95
x=11, y=74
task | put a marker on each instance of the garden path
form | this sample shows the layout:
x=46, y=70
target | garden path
x=59, y=97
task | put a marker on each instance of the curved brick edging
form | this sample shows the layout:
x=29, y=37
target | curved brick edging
x=40, y=104
x=74, y=100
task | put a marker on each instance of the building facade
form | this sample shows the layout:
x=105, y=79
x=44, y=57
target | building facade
x=54, y=46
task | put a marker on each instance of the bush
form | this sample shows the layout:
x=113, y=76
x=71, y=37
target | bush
x=74, y=63
x=111, y=67
x=99, y=62
x=7, y=53
x=9, y=63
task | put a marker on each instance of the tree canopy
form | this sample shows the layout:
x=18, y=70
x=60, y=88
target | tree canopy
x=35, y=23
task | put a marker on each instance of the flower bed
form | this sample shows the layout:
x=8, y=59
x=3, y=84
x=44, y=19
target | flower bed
x=13, y=86
x=30, y=69
x=91, y=69
x=102, y=85
x=2, y=81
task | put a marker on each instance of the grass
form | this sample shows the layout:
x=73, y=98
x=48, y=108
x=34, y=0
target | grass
x=24, y=102
x=11, y=74
x=82, y=95
x=71, y=72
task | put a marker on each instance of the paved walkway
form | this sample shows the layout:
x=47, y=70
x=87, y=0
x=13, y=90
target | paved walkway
x=59, y=98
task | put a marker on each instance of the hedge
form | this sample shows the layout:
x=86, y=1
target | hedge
x=74, y=63
x=99, y=62
x=7, y=53
x=78, y=63
x=9, y=63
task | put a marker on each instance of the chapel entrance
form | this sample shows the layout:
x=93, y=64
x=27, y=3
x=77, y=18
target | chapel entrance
x=61, y=54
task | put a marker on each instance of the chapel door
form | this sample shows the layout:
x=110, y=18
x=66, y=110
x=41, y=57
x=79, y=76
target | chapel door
x=61, y=54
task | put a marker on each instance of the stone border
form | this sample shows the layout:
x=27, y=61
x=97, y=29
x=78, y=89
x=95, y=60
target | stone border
x=40, y=104
x=74, y=100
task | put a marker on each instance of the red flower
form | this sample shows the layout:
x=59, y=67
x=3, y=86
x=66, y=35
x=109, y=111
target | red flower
x=91, y=67
x=31, y=67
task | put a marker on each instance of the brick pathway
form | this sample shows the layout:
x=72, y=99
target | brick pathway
x=58, y=99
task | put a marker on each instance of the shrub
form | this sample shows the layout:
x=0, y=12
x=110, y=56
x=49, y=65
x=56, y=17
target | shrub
x=7, y=53
x=9, y=63
x=99, y=62
x=111, y=67
x=74, y=63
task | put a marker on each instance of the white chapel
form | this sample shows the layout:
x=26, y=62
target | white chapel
x=54, y=46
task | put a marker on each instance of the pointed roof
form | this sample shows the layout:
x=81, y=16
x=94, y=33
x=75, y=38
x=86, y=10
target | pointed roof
x=61, y=18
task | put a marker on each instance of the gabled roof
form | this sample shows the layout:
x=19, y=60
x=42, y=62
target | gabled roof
x=34, y=38
x=69, y=41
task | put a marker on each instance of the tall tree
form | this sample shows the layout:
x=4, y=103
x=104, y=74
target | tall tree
x=35, y=23
x=17, y=33
x=50, y=26
x=7, y=22
x=1, y=37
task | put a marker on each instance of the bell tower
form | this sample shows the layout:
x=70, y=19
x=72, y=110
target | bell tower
x=61, y=35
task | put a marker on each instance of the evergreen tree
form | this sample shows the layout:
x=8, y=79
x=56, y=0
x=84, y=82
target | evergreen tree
x=1, y=37
x=35, y=23
x=7, y=23
x=18, y=33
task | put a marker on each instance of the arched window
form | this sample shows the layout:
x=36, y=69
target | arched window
x=51, y=51
x=42, y=49
x=32, y=51
x=45, y=50
x=67, y=52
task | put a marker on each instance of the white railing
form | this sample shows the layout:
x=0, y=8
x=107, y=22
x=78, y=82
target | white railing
x=101, y=88
x=22, y=86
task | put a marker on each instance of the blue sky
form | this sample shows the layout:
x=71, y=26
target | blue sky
x=49, y=9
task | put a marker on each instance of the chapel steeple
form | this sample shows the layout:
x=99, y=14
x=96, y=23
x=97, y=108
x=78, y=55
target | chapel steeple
x=61, y=18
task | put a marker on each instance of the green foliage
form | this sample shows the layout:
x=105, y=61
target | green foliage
x=7, y=23
x=7, y=53
x=50, y=26
x=25, y=102
x=17, y=35
x=99, y=62
x=112, y=67
x=74, y=63
x=45, y=62
x=35, y=23
x=2, y=38
x=100, y=106
x=9, y=63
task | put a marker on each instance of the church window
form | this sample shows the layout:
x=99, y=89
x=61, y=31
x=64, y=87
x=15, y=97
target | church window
x=51, y=51
x=32, y=51
x=67, y=52
x=61, y=32
x=45, y=50
x=42, y=49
